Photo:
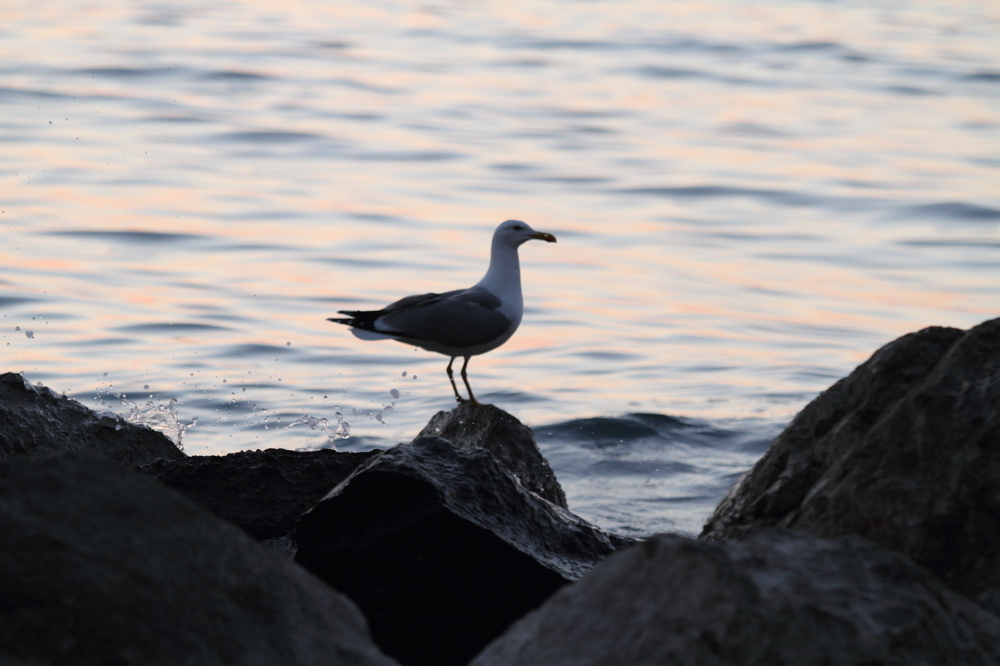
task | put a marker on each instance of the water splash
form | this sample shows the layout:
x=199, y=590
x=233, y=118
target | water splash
x=163, y=418
x=342, y=431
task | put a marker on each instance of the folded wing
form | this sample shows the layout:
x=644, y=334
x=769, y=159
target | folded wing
x=462, y=318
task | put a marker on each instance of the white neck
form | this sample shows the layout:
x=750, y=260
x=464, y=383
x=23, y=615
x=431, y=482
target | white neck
x=504, y=275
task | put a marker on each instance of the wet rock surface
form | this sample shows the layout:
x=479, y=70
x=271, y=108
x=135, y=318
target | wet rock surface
x=905, y=451
x=37, y=421
x=510, y=441
x=263, y=492
x=102, y=565
x=442, y=548
x=775, y=598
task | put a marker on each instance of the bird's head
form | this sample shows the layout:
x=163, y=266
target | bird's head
x=515, y=232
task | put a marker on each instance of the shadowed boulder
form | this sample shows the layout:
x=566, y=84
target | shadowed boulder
x=100, y=565
x=37, y=421
x=264, y=492
x=511, y=442
x=905, y=451
x=776, y=598
x=442, y=548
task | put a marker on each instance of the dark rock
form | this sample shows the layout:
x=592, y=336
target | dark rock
x=990, y=600
x=442, y=548
x=905, y=451
x=100, y=565
x=34, y=420
x=776, y=598
x=264, y=492
x=511, y=442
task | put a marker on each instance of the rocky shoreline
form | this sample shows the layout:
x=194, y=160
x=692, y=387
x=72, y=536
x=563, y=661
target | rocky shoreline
x=869, y=533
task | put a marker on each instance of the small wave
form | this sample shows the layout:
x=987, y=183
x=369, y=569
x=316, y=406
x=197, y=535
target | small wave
x=235, y=76
x=654, y=72
x=129, y=72
x=971, y=243
x=101, y=342
x=598, y=431
x=657, y=430
x=573, y=180
x=642, y=467
x=175, y=118
x=139, y=237
x=8, y=93
x=753, y=129
x=911, y=91
x=798, y=47
x=251, y=350
x=987, y=77
x=719, y=191
x=956, y=210
x=14, y=301
x=574, y=44
x=170, y=327
x=604, y=431
x=267, y=136
x=363, y=85
x=408, y=156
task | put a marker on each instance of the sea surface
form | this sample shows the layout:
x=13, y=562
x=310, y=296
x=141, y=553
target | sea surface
x=749, y=197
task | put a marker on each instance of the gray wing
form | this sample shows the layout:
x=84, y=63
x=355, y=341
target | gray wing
x=463, y=318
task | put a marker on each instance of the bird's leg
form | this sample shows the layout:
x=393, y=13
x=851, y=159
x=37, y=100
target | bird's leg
x=451, y=378
x=465, y=378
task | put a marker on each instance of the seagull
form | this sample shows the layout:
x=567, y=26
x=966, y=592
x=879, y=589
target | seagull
x=464, y=322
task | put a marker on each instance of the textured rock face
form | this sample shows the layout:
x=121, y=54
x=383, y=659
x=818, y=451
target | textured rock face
x=511, y=442
x=34, y=420
x=100, y=565
x=264, y=492
x=776, y=598
x=442, y=548
x=905, y=451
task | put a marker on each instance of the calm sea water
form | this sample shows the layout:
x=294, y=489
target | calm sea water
x=749, y=197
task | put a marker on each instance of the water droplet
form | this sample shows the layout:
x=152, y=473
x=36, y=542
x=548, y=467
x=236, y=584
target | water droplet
x=404, y=373
x=288, y=344
x=145, y=387
x=29, y=333
x=394, y=393
x=118, y=426
x=17, y=328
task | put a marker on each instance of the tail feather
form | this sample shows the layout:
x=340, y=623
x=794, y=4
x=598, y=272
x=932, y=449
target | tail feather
x=359, y=320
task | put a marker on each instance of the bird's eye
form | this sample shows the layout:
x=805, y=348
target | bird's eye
x=518, y=227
